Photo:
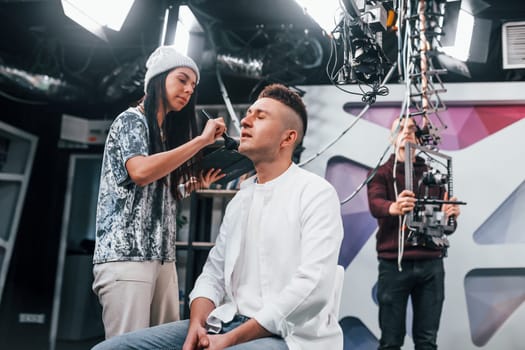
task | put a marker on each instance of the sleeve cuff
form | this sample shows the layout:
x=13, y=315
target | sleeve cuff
x=270, y=320
x=207, y=293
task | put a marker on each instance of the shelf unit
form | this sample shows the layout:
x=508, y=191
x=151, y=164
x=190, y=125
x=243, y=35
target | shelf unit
x=206, y=211
x=17, y=151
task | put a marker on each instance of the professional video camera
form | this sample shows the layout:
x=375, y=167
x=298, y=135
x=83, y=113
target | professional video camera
x=358, y=41
x=427, y=222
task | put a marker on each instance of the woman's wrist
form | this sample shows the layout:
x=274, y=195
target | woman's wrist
x=201, y=141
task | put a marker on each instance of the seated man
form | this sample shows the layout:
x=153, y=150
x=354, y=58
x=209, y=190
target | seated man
x=269, y=282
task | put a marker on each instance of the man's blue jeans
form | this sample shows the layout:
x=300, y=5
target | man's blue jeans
x=423, y=281
x=171, y=336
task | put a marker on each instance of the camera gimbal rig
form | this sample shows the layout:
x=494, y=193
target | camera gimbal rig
x=427, y=221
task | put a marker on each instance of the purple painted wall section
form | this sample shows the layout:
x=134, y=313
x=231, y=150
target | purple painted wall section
x=346, y=175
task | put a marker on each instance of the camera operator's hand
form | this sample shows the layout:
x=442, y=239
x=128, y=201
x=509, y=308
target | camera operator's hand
x=405, y=203
x=450, y=209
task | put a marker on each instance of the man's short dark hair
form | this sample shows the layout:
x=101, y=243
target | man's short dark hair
x=288, y=97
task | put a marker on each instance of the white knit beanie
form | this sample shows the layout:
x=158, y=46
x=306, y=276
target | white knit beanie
x=165, y=58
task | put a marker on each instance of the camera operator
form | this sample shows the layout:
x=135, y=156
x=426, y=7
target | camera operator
x=408, y=266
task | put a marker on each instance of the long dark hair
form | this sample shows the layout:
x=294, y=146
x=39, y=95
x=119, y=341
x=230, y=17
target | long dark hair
x=178, y=128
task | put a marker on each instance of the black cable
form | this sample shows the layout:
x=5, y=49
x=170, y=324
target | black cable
x=368, y=179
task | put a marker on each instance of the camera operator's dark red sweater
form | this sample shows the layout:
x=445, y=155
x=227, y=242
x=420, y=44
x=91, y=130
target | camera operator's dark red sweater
x=381, y=195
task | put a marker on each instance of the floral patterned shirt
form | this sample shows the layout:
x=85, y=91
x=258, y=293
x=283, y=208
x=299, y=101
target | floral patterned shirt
x=133, y=222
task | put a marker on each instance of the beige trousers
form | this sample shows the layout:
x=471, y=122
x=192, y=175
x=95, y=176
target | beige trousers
x=136, y=295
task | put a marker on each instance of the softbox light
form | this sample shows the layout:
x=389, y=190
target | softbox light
x=95, y=15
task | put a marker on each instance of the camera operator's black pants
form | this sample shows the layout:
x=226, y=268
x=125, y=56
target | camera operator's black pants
x=423, y=281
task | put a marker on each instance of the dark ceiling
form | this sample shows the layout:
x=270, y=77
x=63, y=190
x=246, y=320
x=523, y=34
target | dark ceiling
x=97, y=76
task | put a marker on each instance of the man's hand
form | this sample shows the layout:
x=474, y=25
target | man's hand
x=196, y=339
x=218, y=341
x=405, y=203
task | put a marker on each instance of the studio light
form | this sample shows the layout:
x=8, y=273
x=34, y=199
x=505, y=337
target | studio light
x=465, y=35
x=464, y=28
x=179, y=25
x=89, y=14
x=323, y=12
x=185, y=23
